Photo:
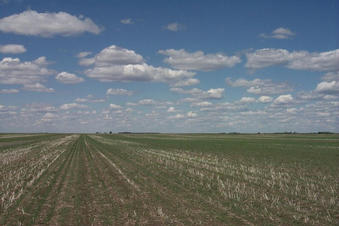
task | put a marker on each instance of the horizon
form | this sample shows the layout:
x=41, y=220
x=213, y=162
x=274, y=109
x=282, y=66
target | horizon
x=173, y=67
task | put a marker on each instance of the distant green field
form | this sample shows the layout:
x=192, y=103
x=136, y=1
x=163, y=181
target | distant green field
x=162, y=179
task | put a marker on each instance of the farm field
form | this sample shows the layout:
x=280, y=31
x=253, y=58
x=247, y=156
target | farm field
x=162, y=179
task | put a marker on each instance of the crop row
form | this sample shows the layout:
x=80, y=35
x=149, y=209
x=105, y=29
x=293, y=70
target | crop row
x=260, y=191
x=21, y=167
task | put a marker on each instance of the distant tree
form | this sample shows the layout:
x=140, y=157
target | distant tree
x=110, y=132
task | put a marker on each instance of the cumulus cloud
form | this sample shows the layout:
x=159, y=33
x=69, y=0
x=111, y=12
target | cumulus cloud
x=264, y=99
x=68, y=78
x=115, y=106
x=247, y=100
x=177, y=116
x=114, y=55
x=127, y=21
x=136, y=72
x=38, y=87
x=186, y=82
x=84, y=54
x=324, y=61
x=13, y=71
x=8, y=91
x=331, y=76
x=146, y=102
x=198, y=61
x=267, y=57
x=260, y=86
x=201, y=94
x=72, y=106
x=279, y=33
x=298, y=60
x=150, y=102
x=89, y=99
x=38, y=108
x=284, y=99
x=191, y=114
x=201, y=104
x=48, y=117
x=174, y=27
x=86, y=61
x=328, y=87
x=171, y=109
x=111, y=91
x=33, y=23
x=12, y=49
x=118, y=64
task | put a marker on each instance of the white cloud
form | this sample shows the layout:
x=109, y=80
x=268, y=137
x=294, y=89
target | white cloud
x=199, y=61
x=48, y=117
x=330, y=97
x=177, y=116
x=284, y=99
x=253, y=113
x=84, y=54
x=115, y=106
x=247, y=100
x=12, y=49
x=324, y=61
x=260, y=86
x=292, y=110
x=38, y=87
x=174, y=27
x=201, y=104
x=118, y=64
x=328, y=87
x=171, y=109
x=215, y=93
x=127, y=21
x=38, y=108
x=89, y=99
x=187, y=82
x=111, y=91
x=146, y=102
x=201, y=94
x=72, y=106
x=266, y=57
x=298, y=60
x=68, y=78
x=265, y=99
x=331, y=76
x=13, y=71
x=8, y=91
x=279, y=33
x=86, y=61
x=31, y=22
x=137, y=72
x=114, y=55
x=191, y=114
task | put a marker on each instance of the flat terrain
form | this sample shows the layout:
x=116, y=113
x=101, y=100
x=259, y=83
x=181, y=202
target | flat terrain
x=162, y=179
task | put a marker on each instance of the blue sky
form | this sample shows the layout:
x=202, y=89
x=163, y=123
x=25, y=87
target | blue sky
x=169, y=66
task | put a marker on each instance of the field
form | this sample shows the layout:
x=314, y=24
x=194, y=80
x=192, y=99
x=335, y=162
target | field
x=162, y=179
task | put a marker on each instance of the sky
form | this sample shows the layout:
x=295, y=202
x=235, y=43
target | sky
x=169, y=66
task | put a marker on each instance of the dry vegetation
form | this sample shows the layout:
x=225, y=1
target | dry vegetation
x=170, y=179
